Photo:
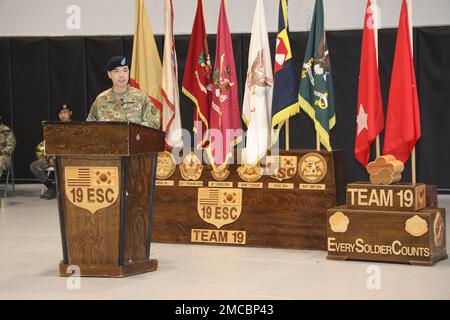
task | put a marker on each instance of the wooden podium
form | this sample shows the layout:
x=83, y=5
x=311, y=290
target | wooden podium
x=105, y=174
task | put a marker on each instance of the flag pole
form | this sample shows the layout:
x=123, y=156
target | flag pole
x=287, y=134
x=376, y=28
x=413, y=153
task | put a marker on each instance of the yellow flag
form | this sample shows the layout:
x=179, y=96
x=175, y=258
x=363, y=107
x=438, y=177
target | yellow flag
x=146, y=67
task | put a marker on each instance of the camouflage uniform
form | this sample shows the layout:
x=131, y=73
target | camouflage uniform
x=39, y=166
x=7, y=146
x=133, y=106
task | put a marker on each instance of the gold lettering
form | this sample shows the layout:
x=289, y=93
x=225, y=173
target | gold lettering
x=352, y=195
x=362, y=197
x=395, y=244
x=387, y=199
x=223, y=237
x=218, y=236
x=90, y=195
x=331, y=244
x=100, y=196
x=359, y=245
x=195, y=233
x=374, y=198
x=109, y=195
x=234, y=213
x=205, y=237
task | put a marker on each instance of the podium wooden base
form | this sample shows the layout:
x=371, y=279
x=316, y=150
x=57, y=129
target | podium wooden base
x=111, y=271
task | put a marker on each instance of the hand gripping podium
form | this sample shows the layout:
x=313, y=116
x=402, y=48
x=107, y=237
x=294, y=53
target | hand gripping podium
x=105, y=175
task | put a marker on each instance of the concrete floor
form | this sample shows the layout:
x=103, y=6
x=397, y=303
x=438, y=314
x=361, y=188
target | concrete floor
x=30, y=249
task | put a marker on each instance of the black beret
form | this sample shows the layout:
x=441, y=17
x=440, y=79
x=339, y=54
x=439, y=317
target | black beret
x=117, y=61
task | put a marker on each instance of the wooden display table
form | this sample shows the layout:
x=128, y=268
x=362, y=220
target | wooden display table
x=242, y=207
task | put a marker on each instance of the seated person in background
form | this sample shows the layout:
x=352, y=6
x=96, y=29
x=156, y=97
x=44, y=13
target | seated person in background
x=42, y=163
x=7, y=146
x=123, y=102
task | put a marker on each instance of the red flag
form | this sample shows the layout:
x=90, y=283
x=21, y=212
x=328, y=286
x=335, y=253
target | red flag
x=370, y=115
x=197, y=79
x=403, y=117
x=225, y=117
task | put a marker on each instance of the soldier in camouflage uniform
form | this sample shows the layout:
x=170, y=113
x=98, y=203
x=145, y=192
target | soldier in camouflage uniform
x=43, y=162
x=7, y=146
x=123, y=102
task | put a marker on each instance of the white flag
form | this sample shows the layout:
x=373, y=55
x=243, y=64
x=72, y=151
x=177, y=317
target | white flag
x=257, y=108
x=171, y=119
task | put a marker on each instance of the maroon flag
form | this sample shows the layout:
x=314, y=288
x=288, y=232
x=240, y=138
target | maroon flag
x=197, y=79
x=225, y=120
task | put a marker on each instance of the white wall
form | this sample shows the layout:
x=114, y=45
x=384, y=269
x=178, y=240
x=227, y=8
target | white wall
x=115, y=17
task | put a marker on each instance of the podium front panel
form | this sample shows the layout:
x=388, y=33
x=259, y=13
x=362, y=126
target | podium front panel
x=91, y=203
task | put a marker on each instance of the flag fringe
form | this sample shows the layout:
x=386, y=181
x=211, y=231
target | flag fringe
x=201, y=115
x=280, y=118
x=224, y=164
x=323, y=134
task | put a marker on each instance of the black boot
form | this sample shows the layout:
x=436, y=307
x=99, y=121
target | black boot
x=48, y=184
x=51, y=192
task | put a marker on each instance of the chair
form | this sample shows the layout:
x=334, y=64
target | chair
x=9, y=173
x=49, y=172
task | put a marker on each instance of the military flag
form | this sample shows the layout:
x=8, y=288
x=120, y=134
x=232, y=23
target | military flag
x=370, y=114
x=316, y=96
x=224, y=118
x=257, y=107
x=171, y=119
x=197, y=79
x=403, y=115
x=146, y=64
x=285, y=96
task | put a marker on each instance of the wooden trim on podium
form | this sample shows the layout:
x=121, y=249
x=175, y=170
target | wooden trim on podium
x=152, y=200
x=110, y=270
x=60, y=196
x=123, y=207
x=107, y=138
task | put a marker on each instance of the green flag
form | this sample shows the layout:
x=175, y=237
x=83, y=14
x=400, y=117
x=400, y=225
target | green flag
x=316, y=94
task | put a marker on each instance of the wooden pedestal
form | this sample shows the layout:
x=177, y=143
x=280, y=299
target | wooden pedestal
x=396, y=197
x=267, y=213
x=417, y=238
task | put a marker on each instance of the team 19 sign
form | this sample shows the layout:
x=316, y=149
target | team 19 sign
x=219, y=207
x=91, y=188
